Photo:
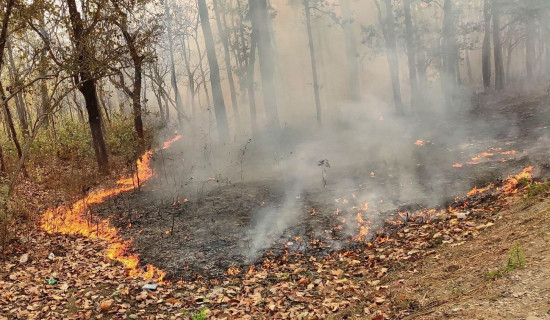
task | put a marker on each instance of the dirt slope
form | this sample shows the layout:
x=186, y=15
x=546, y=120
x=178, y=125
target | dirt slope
x=453, y=284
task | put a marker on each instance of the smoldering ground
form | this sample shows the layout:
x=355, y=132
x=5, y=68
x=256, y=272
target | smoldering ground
x=262, y=196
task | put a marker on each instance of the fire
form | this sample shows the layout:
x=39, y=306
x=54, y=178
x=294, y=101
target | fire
x=508, y=152
x=419, y=143
x=457, y=165
x=363, y=228
x=477, y=190
x=77, y=220
x=511, y=184
x=233, y=271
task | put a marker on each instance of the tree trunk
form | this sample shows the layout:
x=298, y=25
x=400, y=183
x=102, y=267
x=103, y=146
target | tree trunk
x=499, y=62
x=190, y=75
x=351, y=51
x=450, y=76
x=530, y=48
x=250, y=84
x=11, y=126
x=88, y=87
x=411, y=52
x=227, y=57
x=313, y=62
x=173, y=79
x=203, y=75
x=388, y=29
x=215, y=81
x=19, y=100
x=260, y=26
x=469, y=67
x=2, y=162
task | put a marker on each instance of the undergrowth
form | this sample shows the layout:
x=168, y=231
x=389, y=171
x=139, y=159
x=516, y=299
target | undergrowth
x=515, y=260
x=61, y=163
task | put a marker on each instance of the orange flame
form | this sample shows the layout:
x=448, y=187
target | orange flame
x=77, y=220
x=419, y=143
x=477, y=190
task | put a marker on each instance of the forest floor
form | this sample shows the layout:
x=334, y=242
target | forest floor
x=481, y=256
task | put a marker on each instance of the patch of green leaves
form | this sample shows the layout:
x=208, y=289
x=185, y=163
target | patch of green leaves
x=200, y=315
x=515, y=260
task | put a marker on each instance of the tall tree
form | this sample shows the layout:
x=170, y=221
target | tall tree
x=137, y=41
x=388, y=30
x=3, y=41
x=449, y=78
x=313, y=60
x=260, y=18
x=215, y=80
x=486, y=48
x=351, y=51
x=82, y=38
x=499, y=62
x=411, y=52
x=223, y=32
x=173, y=79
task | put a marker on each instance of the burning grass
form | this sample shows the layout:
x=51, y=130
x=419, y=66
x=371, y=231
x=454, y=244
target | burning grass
x=76, y=219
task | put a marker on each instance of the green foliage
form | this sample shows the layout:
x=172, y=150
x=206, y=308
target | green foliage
x=516, y=259
x=537, y=189
x=200, y=316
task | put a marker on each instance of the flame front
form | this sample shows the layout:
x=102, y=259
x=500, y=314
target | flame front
x=77, y=220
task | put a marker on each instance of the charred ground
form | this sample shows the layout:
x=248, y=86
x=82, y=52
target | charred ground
x=206, y=227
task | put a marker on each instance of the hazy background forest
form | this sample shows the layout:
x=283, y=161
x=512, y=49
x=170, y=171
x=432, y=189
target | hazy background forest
x=293, y=94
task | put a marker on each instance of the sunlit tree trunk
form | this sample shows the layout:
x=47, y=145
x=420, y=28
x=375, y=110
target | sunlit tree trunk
x=215, y=80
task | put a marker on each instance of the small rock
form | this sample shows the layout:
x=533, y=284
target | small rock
x=24, y=258
x=51, y=256
x=133, y=316
x=150, y=286
x=456, y=308
x=462, y=215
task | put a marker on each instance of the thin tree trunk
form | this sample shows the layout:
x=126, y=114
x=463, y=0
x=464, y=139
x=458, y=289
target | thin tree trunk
x=499, y=63
x=11, y=126
x=88, y=87
x=411, y=52
x=450, y=77
x=19, y=100
x=2, y=162
x=173, y=79
x=227, y=57
x=250, y=84
x=215, y=80
x=388, y=28
x=260, y=26
x=469, y=67
x=530, y=49
x=351, y=51
x=313, y=62
x=190, y=75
